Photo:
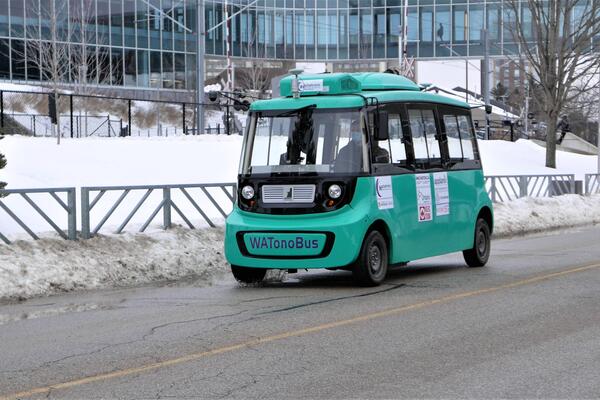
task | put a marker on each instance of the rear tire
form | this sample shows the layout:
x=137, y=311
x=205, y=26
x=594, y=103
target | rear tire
x=478, y=255
x=248, y=275
x=371, y=266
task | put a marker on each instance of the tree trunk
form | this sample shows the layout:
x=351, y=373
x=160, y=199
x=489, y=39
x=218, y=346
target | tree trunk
x=550, y=120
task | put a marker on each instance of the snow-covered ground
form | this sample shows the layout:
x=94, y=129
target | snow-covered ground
x=30, y=268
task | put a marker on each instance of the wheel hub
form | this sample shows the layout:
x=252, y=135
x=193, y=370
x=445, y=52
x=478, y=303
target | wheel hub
x=375, y=259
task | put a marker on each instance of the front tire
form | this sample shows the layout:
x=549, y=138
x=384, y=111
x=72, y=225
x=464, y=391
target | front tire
x=478, y=255
x=371, y=266
x=248, y=275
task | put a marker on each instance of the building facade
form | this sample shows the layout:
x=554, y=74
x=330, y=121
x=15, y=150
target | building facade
x=150, y=44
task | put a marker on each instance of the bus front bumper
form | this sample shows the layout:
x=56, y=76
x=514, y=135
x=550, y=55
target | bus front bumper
x=321, y=240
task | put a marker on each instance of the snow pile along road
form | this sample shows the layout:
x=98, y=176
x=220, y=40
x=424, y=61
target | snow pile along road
x=529, y=215
x=32, y=268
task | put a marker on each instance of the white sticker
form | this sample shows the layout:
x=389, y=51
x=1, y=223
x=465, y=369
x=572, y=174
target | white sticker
x=311, y=85
x=442, y=197
x=384, y=192
x=424, y=197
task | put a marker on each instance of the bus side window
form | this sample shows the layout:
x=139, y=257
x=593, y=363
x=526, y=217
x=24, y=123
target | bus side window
x=431, y=132
x=417, y=130
x=397, y=147
x=466, y=137
x=454, y=143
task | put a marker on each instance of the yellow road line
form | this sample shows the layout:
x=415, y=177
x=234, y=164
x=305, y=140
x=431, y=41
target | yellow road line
x=290, y=334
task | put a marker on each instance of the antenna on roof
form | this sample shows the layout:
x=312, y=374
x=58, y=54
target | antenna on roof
x=295, y=87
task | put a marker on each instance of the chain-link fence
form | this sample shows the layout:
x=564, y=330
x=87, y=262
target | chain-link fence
x=28, y=113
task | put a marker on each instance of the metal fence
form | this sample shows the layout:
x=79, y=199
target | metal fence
x=187, y=201
x=592, y=184
x=27, y=113
x=511, y=187
x=10, y=200
x=116, y=209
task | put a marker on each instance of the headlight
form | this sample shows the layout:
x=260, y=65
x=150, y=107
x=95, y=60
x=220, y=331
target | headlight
x=248, y=192
x=335, y=191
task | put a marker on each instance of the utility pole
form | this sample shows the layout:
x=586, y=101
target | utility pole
x=466, y=80
x=486, y=83
x=598, y=138
x=527, y=108
x=200, y=38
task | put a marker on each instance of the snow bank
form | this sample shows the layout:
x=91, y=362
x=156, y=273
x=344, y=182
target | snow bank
x=524, y=157
x=32, y=268
x=528, y=215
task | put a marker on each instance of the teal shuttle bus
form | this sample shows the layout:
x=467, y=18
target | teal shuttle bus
x=357, y=172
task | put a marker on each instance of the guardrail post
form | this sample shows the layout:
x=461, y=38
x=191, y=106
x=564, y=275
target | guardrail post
x=572, y=183
x=72, y=205
x=523, y=186
x=586, y=184
x=166, y=208
x=85, y=213
x=493, y=186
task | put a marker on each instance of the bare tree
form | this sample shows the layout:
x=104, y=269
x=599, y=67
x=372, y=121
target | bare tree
x=557, y=42
x=255, y=75
x=57, y=47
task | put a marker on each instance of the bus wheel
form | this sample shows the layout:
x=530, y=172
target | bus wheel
x=248, y=275
x=371, y=266
x=480, y=253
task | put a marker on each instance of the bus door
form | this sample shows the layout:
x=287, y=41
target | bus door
x=429, y=222
x=464, y=173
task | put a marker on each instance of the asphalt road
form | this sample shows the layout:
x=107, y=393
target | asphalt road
x=525, y=326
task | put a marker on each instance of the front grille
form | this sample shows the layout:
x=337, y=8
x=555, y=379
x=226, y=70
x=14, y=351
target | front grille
x=288, y=193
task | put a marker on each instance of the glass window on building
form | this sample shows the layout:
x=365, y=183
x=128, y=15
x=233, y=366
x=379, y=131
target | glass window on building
x=129, y=22
x=17, y=16
x=379, y=33
x=322, y=34
x=461, y=18
x=103, y=20
x=310, y=35
x=142, y=24
x=426, y=36
x=116, y=23
x=4, y=58
x=476, y=24
x=4, y=27
x=116, y=65
x=190, y=80
x=493, y=22
x=32, y=18
x=343, y=33
x=279, y=34
x=168, y=70
x=179, y=82
x=413, y=32
x=143, y=68
x=33, y=63
x=443, y=31
x=155, y=69
x=130, y=68
x=300, y=29
x=393, y=37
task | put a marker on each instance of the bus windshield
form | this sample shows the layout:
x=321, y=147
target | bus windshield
x=308, y=140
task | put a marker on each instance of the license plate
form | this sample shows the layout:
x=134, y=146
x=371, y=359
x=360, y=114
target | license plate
x=284, y=244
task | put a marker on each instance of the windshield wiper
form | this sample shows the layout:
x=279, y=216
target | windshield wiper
x=297, y=110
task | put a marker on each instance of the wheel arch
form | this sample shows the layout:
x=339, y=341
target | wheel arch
x=383, y=228
x=486, y=214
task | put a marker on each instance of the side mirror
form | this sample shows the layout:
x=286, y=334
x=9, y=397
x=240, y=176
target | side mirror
x=382, y=126
x=488, y=109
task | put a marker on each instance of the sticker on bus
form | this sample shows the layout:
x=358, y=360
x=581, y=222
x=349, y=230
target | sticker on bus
x=384, y=192
x=424, y=203
x=442, y=197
